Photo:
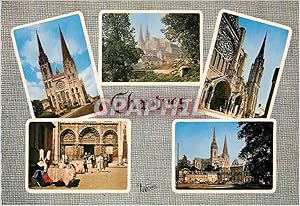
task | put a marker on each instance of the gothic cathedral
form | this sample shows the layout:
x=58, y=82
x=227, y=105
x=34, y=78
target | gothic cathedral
x=63, y=89
x=225, y=89
x=218, y=160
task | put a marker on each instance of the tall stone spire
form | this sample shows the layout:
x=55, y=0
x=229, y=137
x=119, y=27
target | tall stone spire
x=214, y=137
x=253, y=84
x=147, y=35
x=65, y=51
x=43, y=59
x=225, y=150
x=141, y=42
x=213, y=149
x=44, y=63
x=41, y=50
x=262, y=48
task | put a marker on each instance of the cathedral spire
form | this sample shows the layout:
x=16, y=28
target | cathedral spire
x=41, y=50
x=147, y=34
x=225, y=150
x=64, y=48
x=141, y=41
x=262, y=49
x=214, y=137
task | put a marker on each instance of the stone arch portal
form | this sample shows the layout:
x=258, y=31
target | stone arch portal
x=221, y=96
x=110, y=144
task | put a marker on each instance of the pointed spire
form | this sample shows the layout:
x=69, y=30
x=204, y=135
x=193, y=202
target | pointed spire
x=214, y=136
x=141, y=39
x=262, y=49
x=147, y=35
x=225, y=150
x=64, y=48
x=41, y=50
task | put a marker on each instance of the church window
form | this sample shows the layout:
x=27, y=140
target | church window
x=76, y=89
x=68, y=76
x=46, y=85
x=217, y=61
x=67, y=94
x=213, y=59
x=45, y=72
x=58, y=97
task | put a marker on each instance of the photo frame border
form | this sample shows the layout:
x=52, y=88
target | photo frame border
x=211, y=48
x=89, y=49
x=78, y=120
x=184, y=191
x=150, y=83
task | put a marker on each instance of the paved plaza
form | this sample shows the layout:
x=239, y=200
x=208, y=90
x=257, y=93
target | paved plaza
x=111, y=179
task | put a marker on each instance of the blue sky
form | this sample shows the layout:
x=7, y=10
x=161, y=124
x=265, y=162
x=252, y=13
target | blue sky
x=195, y=138
x=49, y=35
x=153, y=20
x=275, y=44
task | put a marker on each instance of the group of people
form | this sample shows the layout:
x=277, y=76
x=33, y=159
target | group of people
x=46, y=174
x=90, y=161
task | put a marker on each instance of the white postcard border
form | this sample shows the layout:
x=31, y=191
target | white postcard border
x=78, y=120
x=224, y=190
x=214, y=38
x=89, y=48
x=150, y=83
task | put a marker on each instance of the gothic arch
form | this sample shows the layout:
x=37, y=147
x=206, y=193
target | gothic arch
x=221, y=96
x=89, y=135
x=110, y=137
x=67, y=136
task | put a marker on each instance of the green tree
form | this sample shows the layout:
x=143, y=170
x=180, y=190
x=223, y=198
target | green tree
x=184, y=29
x=119, y=52
x=258, y=151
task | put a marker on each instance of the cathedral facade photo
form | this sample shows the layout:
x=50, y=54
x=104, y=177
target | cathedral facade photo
x=81, y=145
x=57, y=67
x=241, y=68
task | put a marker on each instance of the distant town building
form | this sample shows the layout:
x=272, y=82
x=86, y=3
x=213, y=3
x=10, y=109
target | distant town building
x=216, y=169
x=157, y=52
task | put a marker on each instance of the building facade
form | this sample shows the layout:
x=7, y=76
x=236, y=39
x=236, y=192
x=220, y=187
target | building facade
x=215, y=159
x=216, y=170
x=225, y=89
x=75, y=139
x=63, y=89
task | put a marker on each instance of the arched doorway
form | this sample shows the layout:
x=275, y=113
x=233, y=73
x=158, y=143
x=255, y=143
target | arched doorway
x=88, y=138
x=220, y=96
x=68, y=139
x=110, y=144
x=237, y=105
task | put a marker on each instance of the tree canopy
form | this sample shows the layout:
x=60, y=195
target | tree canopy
x=258, y=151
x=119, y=52
x=185, y=30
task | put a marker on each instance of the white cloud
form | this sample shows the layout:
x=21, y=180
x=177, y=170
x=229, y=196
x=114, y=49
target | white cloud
x=36, y=90
x=51, y=44
x=87, y=75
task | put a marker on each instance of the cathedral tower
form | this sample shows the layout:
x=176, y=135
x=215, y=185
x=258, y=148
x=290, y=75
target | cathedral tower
x=147, y=35
x=68, y=62
x=225, y=154
x=44, y=62
x=254, y=80
x=141, y=42
x=213, y=149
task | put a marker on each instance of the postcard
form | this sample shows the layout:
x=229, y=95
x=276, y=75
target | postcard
x=144, y=47
x=77, y=155
x=244, y=66
x=224, y=156
x=57, y=66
